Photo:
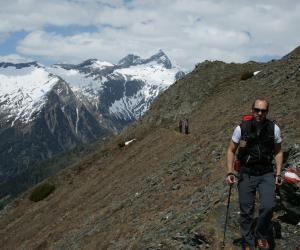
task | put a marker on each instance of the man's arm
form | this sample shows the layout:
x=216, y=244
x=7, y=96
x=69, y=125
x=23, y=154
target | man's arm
x=232, y=147
x=278, y=158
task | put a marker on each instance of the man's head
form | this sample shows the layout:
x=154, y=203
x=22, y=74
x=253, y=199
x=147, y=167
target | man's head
x=260, y=108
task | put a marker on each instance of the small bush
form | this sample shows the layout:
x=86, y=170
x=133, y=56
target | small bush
x=41, y=192
x=246, y=75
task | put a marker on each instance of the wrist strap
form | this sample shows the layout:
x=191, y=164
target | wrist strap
x=231, y=174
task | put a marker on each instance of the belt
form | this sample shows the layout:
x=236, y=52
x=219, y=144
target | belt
x=257, y=169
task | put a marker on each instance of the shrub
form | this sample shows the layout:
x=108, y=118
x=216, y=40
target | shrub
x=41, y=192
x=246, y=75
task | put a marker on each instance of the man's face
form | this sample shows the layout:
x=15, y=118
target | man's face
x=260, y=110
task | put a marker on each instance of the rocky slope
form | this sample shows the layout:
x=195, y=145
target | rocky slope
x=165, y=190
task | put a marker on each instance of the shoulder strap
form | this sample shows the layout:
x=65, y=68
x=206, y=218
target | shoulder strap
x=246, y=127
x=271, y=127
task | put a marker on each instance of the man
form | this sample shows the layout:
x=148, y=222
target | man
x=259, y=141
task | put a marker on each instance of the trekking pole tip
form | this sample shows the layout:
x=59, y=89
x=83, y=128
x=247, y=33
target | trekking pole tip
x=222, y=245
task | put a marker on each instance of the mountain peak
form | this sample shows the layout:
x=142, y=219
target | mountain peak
x=88, y=62
x=129, y=60
x=161, y=58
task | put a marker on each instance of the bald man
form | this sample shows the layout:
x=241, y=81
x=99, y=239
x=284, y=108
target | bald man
x=258, y=141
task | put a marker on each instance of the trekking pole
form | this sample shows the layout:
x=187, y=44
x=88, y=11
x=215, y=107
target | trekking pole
x=226, y=218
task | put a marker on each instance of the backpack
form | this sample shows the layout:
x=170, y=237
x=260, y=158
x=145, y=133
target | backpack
x=260, y=144
x=290, y=193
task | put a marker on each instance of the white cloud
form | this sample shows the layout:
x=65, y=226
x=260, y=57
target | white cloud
x=188, y=31
x=14, y=58
x=70, y=48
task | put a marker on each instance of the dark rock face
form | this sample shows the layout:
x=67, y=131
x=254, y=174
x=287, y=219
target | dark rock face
x=130, y=60
x=113, y=90
x=179, y=75
x=19, y=65
x=116, y=89
x=133, y=86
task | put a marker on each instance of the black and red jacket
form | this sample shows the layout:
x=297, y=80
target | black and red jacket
x=259, y=150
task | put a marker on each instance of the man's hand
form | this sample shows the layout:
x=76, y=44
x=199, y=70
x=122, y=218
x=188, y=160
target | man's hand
x=231, y=179
x=278, y=180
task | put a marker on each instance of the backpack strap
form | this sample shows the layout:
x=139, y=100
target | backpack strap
x=271, y=125
x=246, y=128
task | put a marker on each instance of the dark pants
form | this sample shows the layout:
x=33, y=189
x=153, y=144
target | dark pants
x=248, y=185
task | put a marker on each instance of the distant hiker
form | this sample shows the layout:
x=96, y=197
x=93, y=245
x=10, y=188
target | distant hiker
x=184, y=126
x=259, y=141
x=180, y=126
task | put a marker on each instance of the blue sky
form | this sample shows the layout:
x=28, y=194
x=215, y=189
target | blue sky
x=188, y=31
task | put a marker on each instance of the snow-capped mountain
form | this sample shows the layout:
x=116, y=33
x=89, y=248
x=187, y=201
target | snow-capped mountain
x=23, y=91
x=45, y=111
x=120, y=91
x=124, y=91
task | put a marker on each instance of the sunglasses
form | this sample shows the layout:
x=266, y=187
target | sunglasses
x=263, y=111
